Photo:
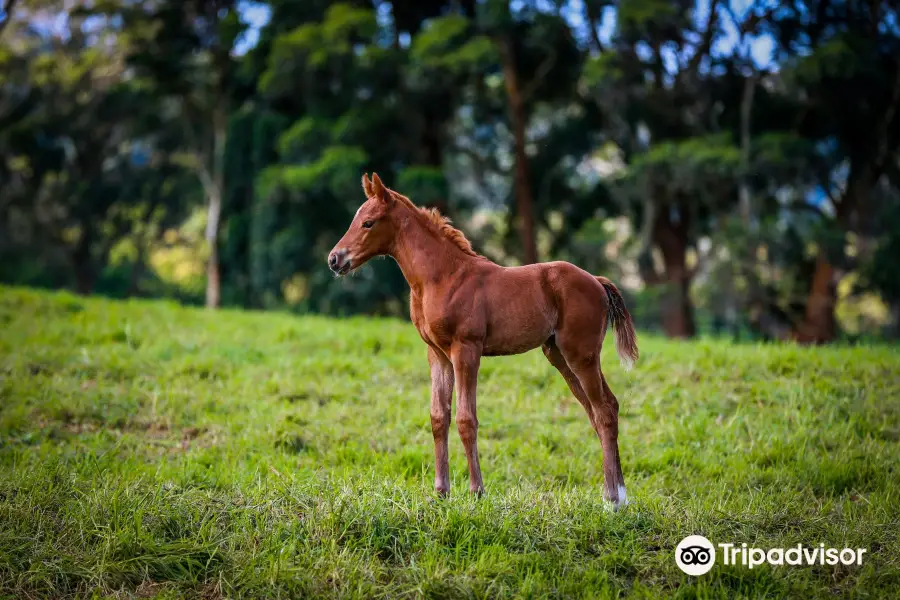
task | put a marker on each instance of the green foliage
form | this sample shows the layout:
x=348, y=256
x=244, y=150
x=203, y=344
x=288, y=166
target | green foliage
x=638, y=14
x=332, y=171
x=317, y=46
x=120, y=123
x=427, y=185
x=252, y=272
x=710, y=154
x=698, y=167
x=601, y=69
x=781, y=150
x=879, y=271
x=446, y=44
x=304, y=138
x=834, y=58
x=153, y=450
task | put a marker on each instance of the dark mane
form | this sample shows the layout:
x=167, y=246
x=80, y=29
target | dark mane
x=439, y=223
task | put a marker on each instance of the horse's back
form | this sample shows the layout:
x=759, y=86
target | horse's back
x=525, y=305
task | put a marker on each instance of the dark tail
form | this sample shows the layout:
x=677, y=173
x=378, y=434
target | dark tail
x=620, y=319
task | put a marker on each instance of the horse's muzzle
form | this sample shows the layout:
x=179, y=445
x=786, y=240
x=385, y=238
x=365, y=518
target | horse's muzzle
x=338, y=262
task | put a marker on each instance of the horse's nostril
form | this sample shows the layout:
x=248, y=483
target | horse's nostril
x=332, y=260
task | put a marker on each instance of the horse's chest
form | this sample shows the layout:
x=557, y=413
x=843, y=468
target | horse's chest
x=434, y=329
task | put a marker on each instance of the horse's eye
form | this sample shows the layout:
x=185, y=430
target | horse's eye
x=368, y=224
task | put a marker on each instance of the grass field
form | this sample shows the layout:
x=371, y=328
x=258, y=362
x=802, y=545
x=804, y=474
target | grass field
x=149, y=450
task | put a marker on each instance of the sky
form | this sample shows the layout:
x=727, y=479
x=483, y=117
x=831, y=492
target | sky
x=257, y=15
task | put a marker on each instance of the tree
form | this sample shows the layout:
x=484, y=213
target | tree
x=656, y=86
x=185, y=49
x=539, y=61
x=357, y=98
x=70, y=148
x=836, y=53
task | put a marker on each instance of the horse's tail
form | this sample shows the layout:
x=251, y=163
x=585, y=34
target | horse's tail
x=620, y=319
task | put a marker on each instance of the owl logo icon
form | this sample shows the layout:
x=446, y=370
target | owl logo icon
x=695, y=555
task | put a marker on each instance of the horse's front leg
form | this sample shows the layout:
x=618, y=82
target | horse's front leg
x=466, y=358
x=441, y=393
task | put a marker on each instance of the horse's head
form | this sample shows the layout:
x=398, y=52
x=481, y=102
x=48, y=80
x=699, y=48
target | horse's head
x=371, y=232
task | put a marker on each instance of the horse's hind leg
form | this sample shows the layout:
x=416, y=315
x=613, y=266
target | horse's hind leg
x=551, y=351
x=623, y=498
x=581, y=369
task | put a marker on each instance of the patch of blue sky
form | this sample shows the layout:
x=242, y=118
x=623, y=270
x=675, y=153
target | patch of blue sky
x=256, y=15
x=759, y=48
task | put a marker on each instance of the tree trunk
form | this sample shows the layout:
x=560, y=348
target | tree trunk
x=594, y=20
x=754, y=302
x=432, y=152
x=852, y=213
x=81, y=258
x=214, y=184
x=894, y=329
x=522, y=181
x=678, y=311
x=213, y=282
x=745, y=199
x=137, y=270
x=671, y=236
x=819, y=325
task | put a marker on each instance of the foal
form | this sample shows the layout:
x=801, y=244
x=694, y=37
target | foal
x=464, y=307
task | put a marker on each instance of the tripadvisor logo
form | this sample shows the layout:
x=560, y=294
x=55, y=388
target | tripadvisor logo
x=696, y=555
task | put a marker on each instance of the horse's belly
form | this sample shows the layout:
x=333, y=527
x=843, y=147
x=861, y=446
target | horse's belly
x=515, y=329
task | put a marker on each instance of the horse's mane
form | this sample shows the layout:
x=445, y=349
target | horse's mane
x=439, y=223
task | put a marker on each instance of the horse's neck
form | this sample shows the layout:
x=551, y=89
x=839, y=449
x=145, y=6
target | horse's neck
x=425, y=256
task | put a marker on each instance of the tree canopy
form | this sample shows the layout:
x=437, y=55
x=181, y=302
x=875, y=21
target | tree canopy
x=734, y=164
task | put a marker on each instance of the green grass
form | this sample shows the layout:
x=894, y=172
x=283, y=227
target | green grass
x=149, y=450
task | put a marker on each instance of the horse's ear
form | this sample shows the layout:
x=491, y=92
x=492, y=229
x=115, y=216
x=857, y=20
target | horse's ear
x=367, y=185
x=379, y=190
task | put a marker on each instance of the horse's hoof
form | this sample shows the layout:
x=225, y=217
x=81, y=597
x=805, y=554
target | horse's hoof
x=618, y=504
x=439, y=495
x=611, y=507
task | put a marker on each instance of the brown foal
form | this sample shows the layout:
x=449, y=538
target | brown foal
x=464, y=307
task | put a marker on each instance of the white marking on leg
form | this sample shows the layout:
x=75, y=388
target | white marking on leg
x=623, y=497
